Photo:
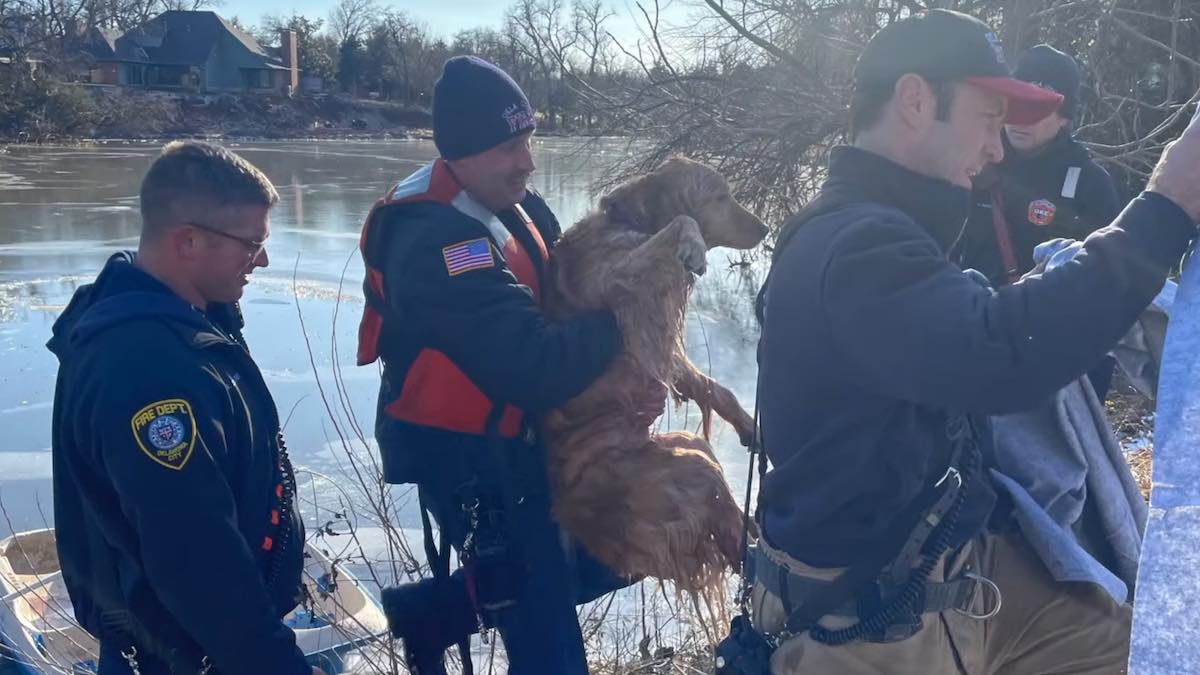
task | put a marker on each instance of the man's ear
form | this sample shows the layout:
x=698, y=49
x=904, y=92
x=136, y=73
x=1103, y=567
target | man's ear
x=914, y=102
x=184, y=243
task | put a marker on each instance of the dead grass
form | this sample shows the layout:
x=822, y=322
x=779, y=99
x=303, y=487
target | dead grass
x=1141, y=462
x=1132, y=417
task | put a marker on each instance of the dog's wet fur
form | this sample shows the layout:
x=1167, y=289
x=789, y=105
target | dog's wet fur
x=648, y=504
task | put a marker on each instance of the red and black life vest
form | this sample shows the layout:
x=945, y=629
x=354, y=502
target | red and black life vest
x=436, y=392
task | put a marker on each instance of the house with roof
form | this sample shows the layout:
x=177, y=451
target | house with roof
x=195, y=51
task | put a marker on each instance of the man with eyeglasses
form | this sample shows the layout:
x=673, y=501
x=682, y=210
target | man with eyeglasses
x=174, y=501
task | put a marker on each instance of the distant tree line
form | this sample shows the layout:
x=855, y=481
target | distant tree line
x=553, y=49
x=761, y=87
x=757, y=87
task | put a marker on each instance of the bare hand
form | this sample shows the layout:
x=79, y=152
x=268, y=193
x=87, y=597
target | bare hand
x=1177, y=176
x=317, y=671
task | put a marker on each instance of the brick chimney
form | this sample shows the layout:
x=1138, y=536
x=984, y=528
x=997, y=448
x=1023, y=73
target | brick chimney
x=288, y=51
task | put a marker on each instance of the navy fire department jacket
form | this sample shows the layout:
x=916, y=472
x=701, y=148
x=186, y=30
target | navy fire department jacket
x=168, y=481
x=871, y=335
x=454, y=310
x=1056, y=192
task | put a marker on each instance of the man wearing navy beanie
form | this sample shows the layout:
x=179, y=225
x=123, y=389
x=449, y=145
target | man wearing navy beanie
x=477, y=106
x=456, y=257
x=1046, y=187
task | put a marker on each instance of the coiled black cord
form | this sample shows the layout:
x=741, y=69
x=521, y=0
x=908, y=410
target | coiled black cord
x=286, y=499
x=905, y=598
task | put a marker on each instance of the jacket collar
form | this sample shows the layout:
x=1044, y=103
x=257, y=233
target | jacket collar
x=124, y=292
x=1062, y=148
x=937, y=205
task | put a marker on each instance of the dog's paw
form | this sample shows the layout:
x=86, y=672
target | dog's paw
x=692, y=250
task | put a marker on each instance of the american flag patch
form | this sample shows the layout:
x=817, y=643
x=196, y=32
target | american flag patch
x=468, y=255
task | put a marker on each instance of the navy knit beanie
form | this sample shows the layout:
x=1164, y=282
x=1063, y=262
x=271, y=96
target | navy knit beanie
x=476, y=106
x=1055, y=70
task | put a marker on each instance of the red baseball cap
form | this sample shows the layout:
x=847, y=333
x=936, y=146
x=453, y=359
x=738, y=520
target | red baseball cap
x=942, y=45
x=1027, y=102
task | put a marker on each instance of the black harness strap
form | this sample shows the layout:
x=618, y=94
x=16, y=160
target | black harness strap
x=755, y=450
x=794, y=590
x=826, y=598
x=438, y=556
x=940, y=504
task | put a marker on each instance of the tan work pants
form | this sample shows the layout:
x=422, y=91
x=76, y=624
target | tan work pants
x=1043, y=627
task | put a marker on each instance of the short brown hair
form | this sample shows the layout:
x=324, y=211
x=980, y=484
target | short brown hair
x=193, y=177
x=867, y=103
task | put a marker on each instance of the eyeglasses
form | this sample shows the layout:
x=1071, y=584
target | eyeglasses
x=254, y=248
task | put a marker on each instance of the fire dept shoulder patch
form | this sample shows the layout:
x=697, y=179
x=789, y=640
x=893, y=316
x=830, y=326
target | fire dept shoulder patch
x=465, y=256
x=166, y=432
x=1041, y=211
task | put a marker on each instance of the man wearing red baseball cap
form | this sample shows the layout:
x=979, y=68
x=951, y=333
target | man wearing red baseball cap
x=944, y=46
x=885, y=547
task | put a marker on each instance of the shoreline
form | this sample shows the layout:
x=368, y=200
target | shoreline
x=417, y=134
x=97, y=115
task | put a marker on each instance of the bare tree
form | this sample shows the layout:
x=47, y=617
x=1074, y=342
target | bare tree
x=351, y=20
x=764, y=89
x=592, y=40
x=187, y=5
x=394, y=53
x=546, y=42
x=758, y=87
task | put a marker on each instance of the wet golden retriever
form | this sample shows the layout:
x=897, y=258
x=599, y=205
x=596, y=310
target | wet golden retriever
x=648, y=504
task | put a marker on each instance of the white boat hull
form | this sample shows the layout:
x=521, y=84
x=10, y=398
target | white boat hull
x=38, y=632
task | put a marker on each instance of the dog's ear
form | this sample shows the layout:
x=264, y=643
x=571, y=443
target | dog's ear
x=628, y=206
x=653, y=200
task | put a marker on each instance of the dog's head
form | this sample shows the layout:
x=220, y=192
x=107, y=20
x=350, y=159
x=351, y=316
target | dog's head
x=682, y=187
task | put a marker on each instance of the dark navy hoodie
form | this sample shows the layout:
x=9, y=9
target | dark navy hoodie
x=166, y=475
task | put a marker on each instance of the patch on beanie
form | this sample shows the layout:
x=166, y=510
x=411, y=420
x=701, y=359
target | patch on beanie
x=519, y=116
